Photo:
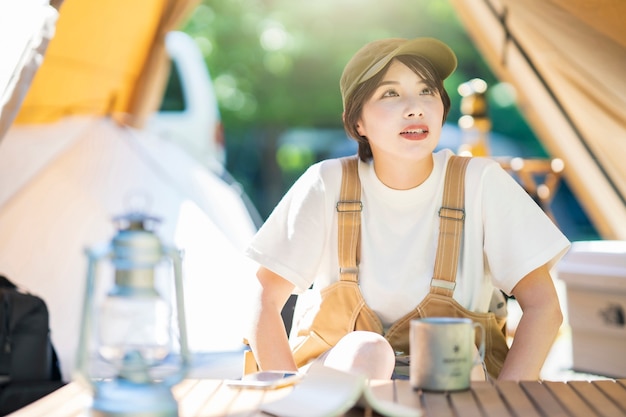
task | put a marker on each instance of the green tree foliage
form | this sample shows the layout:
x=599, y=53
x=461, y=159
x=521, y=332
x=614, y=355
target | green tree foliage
x=276, y=64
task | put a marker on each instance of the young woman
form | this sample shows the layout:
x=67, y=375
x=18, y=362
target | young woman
x=394, y=106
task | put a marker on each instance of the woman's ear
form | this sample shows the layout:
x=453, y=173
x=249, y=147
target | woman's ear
x=360, y=130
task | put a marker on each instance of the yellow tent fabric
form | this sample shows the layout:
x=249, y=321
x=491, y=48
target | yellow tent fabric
x=567, y=60
x=106, y=58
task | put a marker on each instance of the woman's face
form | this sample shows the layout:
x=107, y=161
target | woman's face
x=403, y=118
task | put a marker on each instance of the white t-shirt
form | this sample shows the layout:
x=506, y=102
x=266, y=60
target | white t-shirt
x=506, y=236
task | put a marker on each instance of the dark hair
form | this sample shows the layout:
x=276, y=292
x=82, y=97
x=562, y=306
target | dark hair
x=363, y=92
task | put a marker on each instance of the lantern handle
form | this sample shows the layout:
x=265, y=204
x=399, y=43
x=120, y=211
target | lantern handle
x=94, y=256
x=176, y=256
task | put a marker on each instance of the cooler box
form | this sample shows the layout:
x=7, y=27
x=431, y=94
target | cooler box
x=594, y=273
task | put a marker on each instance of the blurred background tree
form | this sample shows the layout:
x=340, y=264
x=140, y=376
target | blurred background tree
x=276, y=66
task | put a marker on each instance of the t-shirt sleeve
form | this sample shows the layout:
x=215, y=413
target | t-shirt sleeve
x=518, y=236
x=291, y=241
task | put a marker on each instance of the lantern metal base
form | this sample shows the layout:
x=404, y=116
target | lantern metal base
x=121, y=398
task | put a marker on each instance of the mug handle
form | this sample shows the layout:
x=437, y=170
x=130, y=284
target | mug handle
x=481, y=348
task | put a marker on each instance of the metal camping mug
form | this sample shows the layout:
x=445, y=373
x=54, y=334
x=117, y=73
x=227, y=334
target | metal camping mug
x=443, y=353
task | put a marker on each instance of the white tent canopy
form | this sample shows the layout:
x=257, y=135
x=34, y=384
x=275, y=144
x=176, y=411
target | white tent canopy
x=26, y=28
x=567, y=60
x=86, y=172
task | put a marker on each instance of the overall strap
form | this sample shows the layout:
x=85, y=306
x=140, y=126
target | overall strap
x=451, y=221
x=349, y=209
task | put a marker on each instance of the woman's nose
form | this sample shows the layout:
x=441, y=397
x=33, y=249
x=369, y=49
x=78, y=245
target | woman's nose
x=414, y=109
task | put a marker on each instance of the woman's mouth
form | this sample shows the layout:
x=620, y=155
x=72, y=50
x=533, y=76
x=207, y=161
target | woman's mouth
x=415, y=133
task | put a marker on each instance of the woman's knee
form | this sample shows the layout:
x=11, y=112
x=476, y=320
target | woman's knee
x=363, y=352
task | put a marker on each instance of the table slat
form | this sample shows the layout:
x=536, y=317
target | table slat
x=601, y=404
x=214, y=397
x=243, y=402
x=384, y=390
x=182, y=388
x=68, y=401
x=516, y=399
x=464, y=403
x=196, y=396
x=569, y=399
x=614, y=390
x=406, y=395
x=543, y=399
x=436, y=404
x=489, y=399
x=225, y=401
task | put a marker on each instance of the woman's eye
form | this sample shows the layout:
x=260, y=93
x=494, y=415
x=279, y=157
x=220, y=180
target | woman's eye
x=427, y=91
x=390, y=93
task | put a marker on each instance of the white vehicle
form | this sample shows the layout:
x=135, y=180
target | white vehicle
x=189, y=115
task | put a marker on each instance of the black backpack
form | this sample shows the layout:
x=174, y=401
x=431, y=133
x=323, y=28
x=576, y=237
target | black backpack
x=29, y=366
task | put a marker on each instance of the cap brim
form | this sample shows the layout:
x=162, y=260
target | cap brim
x=436, y=52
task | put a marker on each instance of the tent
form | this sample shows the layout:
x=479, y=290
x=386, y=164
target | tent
x=566, y=60
x=90, y=169
x=74, y=156
x=105, y=58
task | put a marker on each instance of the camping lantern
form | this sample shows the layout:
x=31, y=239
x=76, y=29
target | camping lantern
x=133, y=342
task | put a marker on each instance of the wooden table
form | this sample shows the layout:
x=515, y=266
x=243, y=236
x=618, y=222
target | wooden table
x=210, y=397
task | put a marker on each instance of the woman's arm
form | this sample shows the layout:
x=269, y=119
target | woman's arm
x=537, y=328
x=268, y=339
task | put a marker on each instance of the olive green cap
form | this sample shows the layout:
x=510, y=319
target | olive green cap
x=373, y=57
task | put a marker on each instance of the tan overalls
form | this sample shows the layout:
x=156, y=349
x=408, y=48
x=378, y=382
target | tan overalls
x=343, y=308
